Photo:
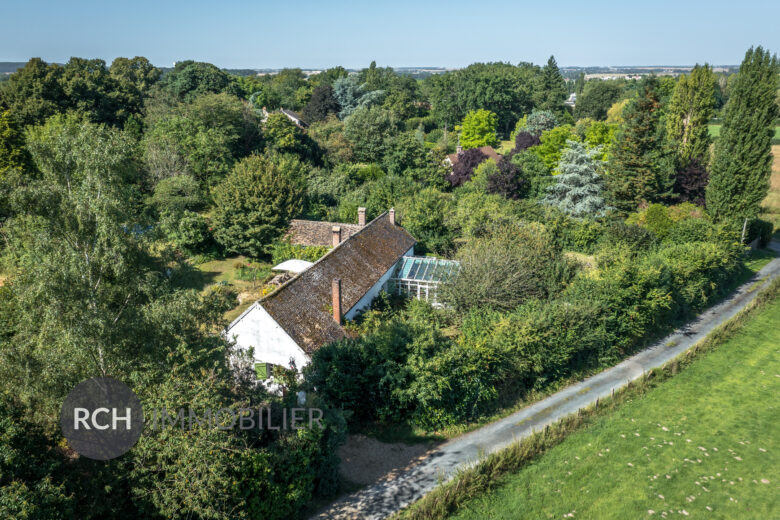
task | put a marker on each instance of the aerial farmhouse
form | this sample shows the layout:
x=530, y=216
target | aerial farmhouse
x=308, y=311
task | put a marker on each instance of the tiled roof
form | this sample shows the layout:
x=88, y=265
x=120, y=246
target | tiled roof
x=316, y=233
x=293, y=116
x=302, y=306
x=487, y=150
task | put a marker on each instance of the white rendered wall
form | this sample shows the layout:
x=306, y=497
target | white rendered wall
x=365, y=302
x=258, y=330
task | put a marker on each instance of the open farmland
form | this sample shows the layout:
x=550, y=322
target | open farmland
x=702, y=443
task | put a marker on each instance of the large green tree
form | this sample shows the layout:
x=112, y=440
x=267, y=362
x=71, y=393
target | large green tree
x=579, y=189
x=552, y=91
x=479, y=129
x=189, y=79
x=504, y=89
x=322, y=104
x=13, y=154
x=255, y=202
x=690, y=110
x=641, y=167
x=741, y=166
x=596, y=99
x=202, y=138
x=34, y=92
x=368, y=129
x=134, y=78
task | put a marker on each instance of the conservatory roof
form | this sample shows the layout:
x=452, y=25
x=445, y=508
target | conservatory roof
x=428, y=269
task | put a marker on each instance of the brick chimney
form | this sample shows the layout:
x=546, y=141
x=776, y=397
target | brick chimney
x=361, y=217
x=336, y=235
x=336, y=297
x=392, y=216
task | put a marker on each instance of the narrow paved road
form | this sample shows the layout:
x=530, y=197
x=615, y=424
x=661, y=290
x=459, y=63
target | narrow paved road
x=386, y=497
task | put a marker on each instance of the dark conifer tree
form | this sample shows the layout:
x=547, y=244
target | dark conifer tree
x=741, y=166
x=641, y=166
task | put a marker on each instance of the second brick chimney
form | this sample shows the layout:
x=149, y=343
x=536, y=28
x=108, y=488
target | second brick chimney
x=336, y=235
x=336, y=297
x=392, y=216
x=361, y=217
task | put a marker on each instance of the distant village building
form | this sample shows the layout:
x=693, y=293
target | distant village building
x=308, y=311
x=452, y=159
x=572, y=100
x=294, y=117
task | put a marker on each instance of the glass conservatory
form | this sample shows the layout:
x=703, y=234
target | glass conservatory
x=419, y=277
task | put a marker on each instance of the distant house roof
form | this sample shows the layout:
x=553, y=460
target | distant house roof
x=302, y=305
x=317, y=233
x=487, y=150
x=293, y=116
x=293, y=266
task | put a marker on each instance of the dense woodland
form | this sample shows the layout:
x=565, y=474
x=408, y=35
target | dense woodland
x=598, y=228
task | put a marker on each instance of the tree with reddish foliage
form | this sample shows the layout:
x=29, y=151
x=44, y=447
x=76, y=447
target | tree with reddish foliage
x=690, y=183
x=508, y=181
x=466, y=163
x=524, y=141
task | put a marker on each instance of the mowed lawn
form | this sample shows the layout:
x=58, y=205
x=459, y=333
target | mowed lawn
x=703, y=444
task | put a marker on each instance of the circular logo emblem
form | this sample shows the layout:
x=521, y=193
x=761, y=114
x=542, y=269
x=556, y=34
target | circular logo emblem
x=102, y=418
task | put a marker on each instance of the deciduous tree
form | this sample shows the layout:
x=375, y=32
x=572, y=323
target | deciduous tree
x=479, y=129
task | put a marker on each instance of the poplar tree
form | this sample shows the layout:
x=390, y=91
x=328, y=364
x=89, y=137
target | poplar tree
x=742, y=161
x=641, y=167
x=689, y=111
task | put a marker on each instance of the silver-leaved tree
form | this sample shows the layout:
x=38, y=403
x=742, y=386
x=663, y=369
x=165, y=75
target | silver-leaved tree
x=579, y=190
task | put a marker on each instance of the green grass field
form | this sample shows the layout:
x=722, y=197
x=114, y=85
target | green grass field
x=203, y=275
x=715, y=131
x=703, y=444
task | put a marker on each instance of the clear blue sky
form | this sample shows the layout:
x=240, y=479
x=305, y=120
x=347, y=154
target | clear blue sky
x=454, y=33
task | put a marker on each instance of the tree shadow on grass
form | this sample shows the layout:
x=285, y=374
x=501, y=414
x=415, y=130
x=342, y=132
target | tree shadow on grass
x=187, y=276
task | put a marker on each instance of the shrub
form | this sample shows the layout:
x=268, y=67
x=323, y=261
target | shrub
x=508, y=181
x=635, y=237
x=761, y=230
x=176, y=195
x=540, y=121
x=502, y=269
x=191, y=234
x=468, y=161
x=454, y=386
x=524, y=141
x=352, y=372
x=690, y=230
x=655, y=218
x=282, y=250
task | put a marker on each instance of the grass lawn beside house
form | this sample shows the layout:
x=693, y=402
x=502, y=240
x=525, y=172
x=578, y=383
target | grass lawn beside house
x=227, y=272
x=703, y=444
